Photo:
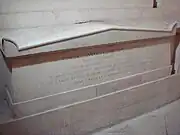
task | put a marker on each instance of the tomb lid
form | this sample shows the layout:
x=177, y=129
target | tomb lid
x=29, y=38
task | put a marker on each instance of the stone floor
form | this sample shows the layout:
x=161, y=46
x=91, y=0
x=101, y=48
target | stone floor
x=164, y=121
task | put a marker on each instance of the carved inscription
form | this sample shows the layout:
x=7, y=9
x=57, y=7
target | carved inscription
x=65, y=75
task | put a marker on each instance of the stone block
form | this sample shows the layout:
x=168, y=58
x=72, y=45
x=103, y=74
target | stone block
x=37, y=35
x=132, y=80
x=12, y=6
x=24, y=20
x=87, y=116
x=55, y=77
x=62, y=99
x=38, y=105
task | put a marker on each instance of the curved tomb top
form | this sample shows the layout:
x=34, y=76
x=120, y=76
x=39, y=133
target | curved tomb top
x=25, y=39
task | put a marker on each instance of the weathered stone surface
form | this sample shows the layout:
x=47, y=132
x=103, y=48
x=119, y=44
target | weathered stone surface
x=51, y=12
x=133, y=80
x=5, y=77
x=62, y=99
x=53, y=101
x=163, y=121
x=5, y=82
x=149, y=124
x=5, y=112
x=64, y=17
x=24, y=20
x=87, y=116
x=69, y=12
x=37, y=36
x=55, y=77
x=44, y=5
x=172, y=119
x=169, y=4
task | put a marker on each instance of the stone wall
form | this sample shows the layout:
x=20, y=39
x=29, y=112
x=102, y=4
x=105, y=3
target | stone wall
x=32, y=13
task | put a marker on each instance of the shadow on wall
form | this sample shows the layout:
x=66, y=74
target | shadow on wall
x=5, y=77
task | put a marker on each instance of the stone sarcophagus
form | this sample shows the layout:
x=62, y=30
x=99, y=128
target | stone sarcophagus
x=82, y=68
